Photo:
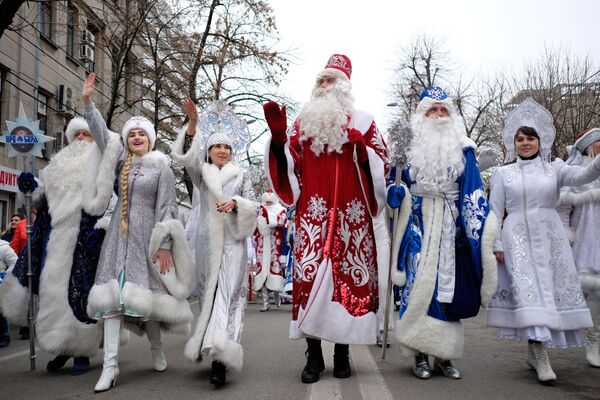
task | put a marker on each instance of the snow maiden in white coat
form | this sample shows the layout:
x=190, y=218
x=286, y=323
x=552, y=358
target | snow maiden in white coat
x=227, y=214
x=539, y=297
x=145, y=271
x=580, y=206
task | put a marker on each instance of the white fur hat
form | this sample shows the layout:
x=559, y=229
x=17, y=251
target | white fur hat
x=139, y=122
x=269, y=196
x=75, y=125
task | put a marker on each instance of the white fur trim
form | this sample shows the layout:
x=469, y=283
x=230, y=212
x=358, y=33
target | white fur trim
x=14, y=300
x=186, y=159
x=416, y=330
x=179, y=279
x=589, y=282
x=75, y=125
x=489, y=282
x=100, y=175
x=332, y=72
x=226, y=351
x=103, y=297
x=153, y=159
x=576, y=199
x=294, y=183
x=243, y=222
x=401, y=222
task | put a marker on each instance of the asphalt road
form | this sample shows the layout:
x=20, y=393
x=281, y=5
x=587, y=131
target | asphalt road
x=492, y=369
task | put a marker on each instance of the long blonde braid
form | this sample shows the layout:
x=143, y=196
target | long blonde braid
x=124, y=189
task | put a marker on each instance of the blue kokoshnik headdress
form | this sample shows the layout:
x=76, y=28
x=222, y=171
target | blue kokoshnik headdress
x=218, y=124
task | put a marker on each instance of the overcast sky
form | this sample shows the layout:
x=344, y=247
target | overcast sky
x=481, y=36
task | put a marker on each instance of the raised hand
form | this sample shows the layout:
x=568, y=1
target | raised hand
x=277, y=120
x=89, y=87
x=192, y=114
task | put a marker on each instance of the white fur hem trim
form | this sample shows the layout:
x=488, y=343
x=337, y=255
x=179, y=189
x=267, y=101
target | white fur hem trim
x=14, y=300
x=226, y=351
x=179, y=279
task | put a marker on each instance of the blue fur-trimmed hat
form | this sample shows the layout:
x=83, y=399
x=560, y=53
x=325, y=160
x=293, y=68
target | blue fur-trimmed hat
x=434, y=92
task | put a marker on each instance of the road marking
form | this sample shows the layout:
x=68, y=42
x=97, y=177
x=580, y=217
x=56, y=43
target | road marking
x=328, y=387
x=14, y=355
x=370, y=381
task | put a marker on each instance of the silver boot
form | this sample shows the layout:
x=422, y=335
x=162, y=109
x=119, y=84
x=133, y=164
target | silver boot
x=265, y=298
x=539, y=360
x=449, y=370
x=422, y=369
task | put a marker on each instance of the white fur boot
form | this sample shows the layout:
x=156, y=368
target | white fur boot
x=110, y=367
x=158, y=356
x=539, y=360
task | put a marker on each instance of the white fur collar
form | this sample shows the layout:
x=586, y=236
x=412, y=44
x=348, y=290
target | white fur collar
x=468, y=142
x=153, y=159
x=215, y=178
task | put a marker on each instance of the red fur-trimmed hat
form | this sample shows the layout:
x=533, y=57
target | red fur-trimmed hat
x=340, y=65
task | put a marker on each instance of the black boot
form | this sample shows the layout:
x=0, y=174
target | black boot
x=57, y=363
x=217, y=376
x=341, y=361
x=314, y=361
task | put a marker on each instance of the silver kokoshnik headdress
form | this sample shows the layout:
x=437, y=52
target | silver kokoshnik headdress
x=529, y=113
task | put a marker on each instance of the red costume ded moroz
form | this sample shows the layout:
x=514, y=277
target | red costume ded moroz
x=336, y=181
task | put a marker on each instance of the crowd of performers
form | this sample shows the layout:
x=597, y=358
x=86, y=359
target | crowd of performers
x=109, y=254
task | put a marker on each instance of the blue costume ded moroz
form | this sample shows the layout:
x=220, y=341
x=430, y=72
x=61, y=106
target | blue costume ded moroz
x=442, y=253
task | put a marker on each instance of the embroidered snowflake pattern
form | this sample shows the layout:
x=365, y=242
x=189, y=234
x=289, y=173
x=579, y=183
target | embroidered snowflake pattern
x=317, y=208
x=355, y=211
x=474, y=208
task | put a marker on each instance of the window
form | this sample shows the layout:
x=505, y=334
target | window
x=42, y=114
x=71, y=34
x=46, y=19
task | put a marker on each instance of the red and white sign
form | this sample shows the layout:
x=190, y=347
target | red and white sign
x=8, y=179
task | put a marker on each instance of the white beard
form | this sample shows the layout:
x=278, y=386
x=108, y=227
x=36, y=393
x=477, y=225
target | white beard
x=436, y=158
x=324, y=118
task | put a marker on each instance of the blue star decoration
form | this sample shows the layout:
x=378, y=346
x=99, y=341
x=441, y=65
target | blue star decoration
x=24, y=136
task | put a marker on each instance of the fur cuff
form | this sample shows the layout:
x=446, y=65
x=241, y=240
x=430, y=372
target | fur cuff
x=180, y=279
x=489, y=282
x=243, y=222
x=186, y=159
